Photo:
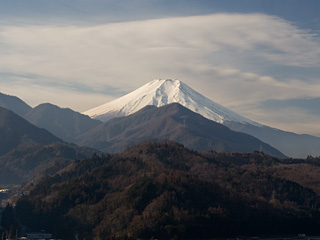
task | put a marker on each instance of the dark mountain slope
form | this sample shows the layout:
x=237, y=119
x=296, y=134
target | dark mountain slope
x=26, y=149
x=164, y=190
x=15, y=131
x=173, y=122
x=62, y=122
x=32, y=161
x=14, y=104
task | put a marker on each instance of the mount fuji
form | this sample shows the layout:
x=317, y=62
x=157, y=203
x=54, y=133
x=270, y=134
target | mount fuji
x=160, y=92
x=172, y=122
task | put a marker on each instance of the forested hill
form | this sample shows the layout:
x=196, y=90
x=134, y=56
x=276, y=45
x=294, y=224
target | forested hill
x=164, y=190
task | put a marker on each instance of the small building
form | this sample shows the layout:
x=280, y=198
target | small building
x=4, y=190
x=37, y=236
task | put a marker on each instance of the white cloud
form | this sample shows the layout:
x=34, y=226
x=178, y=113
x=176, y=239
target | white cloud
x=289, y=119
x=94, y=53
x=34, y=94
x=207, y=52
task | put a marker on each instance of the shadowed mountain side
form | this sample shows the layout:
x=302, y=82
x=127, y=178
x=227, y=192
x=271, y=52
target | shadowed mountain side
x=26, y=150
x=62, y=122
x=291, y=144
x=7, y=176
x=14, y=104
x=35, y=160
x=173, y=122
x=15, y=131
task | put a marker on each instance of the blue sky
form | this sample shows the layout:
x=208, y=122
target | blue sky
x=258, y=58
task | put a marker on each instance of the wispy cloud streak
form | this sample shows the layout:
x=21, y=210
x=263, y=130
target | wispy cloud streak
x=227, y=57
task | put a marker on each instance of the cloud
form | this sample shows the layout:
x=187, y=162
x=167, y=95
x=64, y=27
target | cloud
x=64, y=96
x=75, y=53
x=302, y=115
x=307, y=105
x=228, y=57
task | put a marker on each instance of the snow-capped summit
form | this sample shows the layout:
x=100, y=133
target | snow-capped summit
x=160, y=92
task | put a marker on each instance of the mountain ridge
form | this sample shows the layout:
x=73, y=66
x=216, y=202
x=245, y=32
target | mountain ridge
x=291, y=144
x=160, y=92
x=26, y=150
x=15, y=130
x=157, y=94
x=174, y=122
x=14, y=104
x=62, y=122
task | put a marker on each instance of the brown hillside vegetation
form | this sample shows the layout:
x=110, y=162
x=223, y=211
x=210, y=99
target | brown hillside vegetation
x=164, y=190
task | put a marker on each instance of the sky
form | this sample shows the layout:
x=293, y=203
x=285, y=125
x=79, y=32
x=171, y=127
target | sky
x=259, y=58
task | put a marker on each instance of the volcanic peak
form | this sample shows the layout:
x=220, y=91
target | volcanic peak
x=160, y=92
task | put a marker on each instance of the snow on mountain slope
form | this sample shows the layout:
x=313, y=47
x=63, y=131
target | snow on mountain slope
x=160, y=92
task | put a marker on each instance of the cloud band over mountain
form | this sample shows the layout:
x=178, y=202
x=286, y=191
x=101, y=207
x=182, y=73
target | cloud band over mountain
x=237, y=60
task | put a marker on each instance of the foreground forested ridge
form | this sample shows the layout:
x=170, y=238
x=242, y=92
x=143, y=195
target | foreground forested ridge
x=165, y=190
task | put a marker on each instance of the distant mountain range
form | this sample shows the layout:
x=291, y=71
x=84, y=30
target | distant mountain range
x=16, y=131
x=14, y=104
x=291, y=144
x=162, y=92
x=74, y=127
x=26, y=150
x=62, y=122
x=173, y=122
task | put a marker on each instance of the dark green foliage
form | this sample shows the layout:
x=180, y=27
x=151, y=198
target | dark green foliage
x=164, y=190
